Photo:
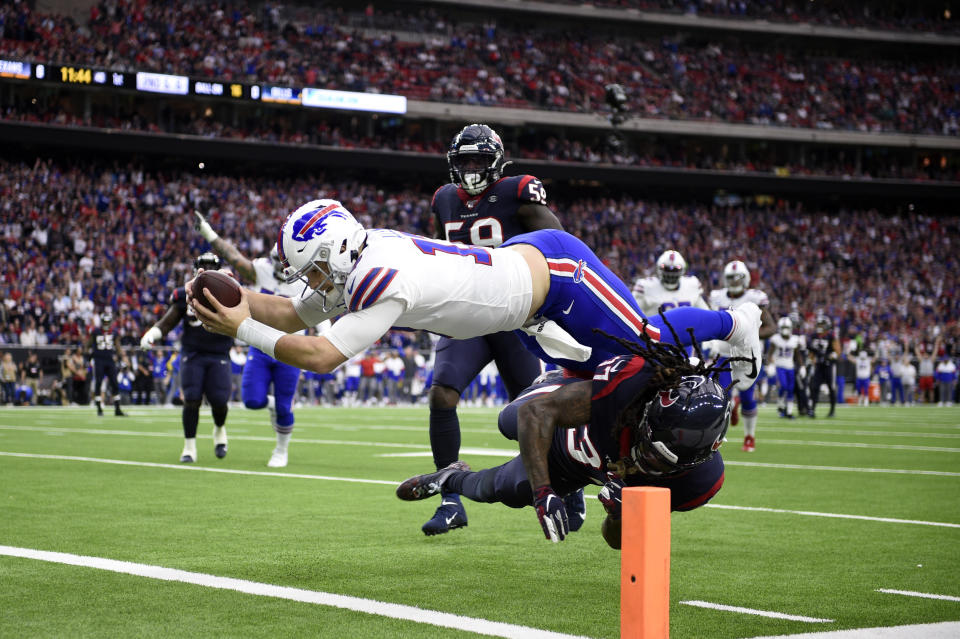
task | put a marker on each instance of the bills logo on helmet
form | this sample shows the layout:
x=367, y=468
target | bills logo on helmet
x=669, y=397
x=313, y=223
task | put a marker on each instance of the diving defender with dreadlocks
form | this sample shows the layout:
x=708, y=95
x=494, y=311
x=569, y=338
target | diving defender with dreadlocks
x=650, y=418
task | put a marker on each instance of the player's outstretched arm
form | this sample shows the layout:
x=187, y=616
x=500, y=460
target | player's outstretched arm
x=225, y=249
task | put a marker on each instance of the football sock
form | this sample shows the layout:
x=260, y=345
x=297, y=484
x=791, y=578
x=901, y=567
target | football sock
x=190, y=418
x=706, y=324
x=749, y=425
x=219, y=414
x=478, y=486
x=283, y=440
x=444, y=436
x=190, y=447
x=219, y=435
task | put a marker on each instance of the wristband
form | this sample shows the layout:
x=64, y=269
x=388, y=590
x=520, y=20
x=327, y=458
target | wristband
x=259, y=335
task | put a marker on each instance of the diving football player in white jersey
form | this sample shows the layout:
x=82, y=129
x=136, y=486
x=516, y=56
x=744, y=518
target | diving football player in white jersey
x=671, y=287
x=735, y=294
x=786, y=357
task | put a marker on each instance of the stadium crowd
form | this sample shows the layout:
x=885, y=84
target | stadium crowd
x=678, y=77
x=79, y=238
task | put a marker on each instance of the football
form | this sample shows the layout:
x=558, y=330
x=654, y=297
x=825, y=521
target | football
x=223, y=287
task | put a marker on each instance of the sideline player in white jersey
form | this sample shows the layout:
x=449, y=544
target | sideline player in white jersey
x=735, y=294
x=265, y=275
x=671, y=287
x=864, y=365
x=786, y=357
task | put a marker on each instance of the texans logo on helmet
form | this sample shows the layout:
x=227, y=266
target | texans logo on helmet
x=313, y=223
x=669, y=397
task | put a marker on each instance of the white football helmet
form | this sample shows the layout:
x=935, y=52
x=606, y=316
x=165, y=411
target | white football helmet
x=670, y=268
x=785, y=326
x=736, y=277
x=321, y=236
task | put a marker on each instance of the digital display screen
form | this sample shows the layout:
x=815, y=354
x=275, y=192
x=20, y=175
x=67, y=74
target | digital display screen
x=283, y=95
x=14, y=69
x=163, y=83
x=353, y=101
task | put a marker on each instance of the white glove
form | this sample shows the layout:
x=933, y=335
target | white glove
x=557, y=342
x=203, y=227
x=152, y=335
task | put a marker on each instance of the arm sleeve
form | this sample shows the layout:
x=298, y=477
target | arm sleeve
x=354, y=332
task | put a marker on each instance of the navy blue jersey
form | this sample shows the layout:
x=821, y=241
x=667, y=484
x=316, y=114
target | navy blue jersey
x=821, y=347
x=195, y=337
x=489, y=218
x=104, y=344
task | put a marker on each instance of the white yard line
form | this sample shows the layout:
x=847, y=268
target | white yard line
x=943, y=630
x=808, y=513
x=922, y=595
x=871, y=446
x=368, y=606
x=845, y=469
x=231, y=471
x=847, y=433
x=752, y=611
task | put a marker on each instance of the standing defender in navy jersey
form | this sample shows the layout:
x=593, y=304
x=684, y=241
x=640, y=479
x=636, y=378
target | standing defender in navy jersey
x=650, y=418
x=204, y=366
x=480, y=207
x=103, y=352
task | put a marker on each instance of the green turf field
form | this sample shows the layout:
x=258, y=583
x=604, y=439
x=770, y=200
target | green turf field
x=112, y=489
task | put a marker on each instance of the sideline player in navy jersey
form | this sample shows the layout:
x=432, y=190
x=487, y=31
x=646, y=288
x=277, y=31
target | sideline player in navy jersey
x=264, y=274
x=481, y=207
x=824, y=351
x=103, y=352
x=649, y=418
x=204, y=366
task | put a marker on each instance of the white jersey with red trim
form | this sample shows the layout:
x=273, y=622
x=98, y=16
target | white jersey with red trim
x=784, y=349
x=651, y=294
x=451, y=289
x=267, y=283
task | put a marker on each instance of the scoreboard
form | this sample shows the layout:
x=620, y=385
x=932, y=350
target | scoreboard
x=169, y=84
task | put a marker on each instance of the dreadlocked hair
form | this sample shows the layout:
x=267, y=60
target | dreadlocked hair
x=671, y=363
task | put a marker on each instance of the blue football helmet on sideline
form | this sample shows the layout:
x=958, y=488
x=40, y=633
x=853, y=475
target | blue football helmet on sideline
x=475, y=158
x=682, y=427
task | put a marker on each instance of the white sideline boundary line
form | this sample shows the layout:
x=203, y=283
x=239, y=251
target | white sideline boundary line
x=922, y=595
x=258, y=473
x=807, y=513
x=357, y=604
x=752, y=611
x=942, y=630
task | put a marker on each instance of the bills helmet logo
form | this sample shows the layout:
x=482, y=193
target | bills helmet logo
x=314, y=223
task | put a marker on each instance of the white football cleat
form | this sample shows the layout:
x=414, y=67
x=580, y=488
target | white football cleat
x=278, y=459
x=744, y=341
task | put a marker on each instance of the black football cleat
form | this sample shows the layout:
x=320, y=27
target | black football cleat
x=423, y=486
x=186, y=459
x=220, y=450
x=119, y=413
x=449, y=516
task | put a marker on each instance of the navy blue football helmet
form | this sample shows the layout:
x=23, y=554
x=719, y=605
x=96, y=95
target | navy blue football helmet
x=207, y=261
x=475, y=158
x=681, y=427
x=823, y=324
